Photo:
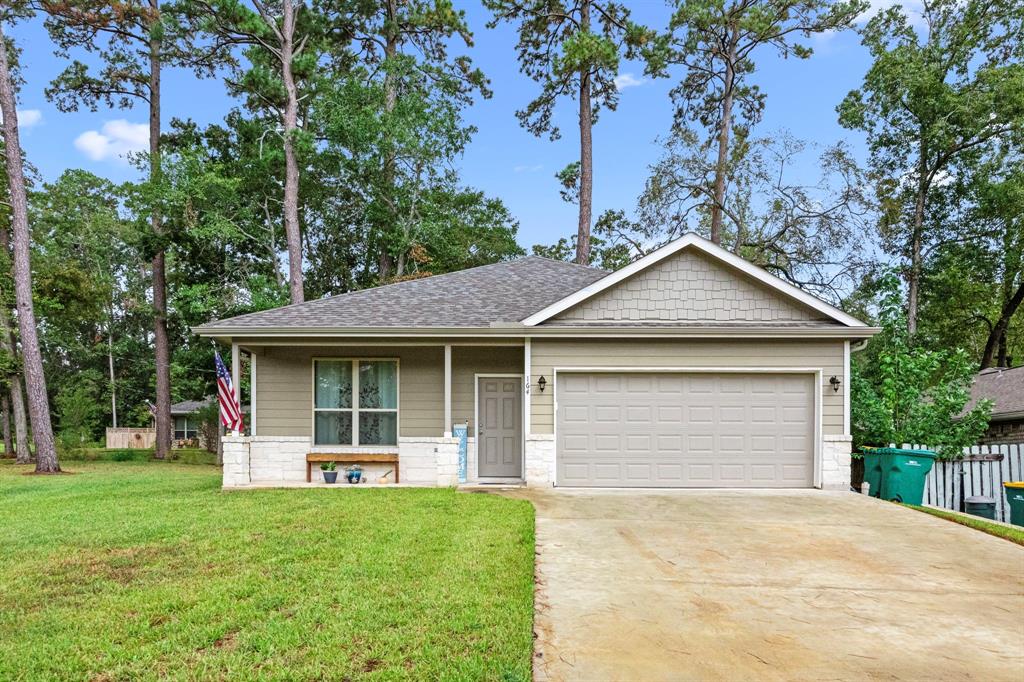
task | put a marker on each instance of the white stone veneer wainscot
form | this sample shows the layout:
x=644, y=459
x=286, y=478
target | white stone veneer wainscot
x=282, y=459
x=236, y=460
x=835, y=462
x=540, y=459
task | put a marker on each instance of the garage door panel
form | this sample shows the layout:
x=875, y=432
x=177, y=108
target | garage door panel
x=679, y=430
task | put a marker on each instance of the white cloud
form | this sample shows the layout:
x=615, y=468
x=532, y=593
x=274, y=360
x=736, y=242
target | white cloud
x=627, y=80
x=114, y=140
x=27, y=118
x=912, y=8
x=527, y=169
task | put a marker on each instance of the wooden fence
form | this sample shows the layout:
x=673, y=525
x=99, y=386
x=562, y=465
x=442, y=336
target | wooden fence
x=981, y=471
x=126, y=437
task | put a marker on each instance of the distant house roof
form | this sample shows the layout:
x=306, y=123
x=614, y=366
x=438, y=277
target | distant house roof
x=1004, y=387
x=478, y=297
x=187, y=407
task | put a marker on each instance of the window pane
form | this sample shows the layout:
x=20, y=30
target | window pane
x=378, y=428
x=378, y=385
x=333, y=383
x=333, y=428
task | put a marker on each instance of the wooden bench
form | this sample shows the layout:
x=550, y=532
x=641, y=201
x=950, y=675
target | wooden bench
x=350, y=458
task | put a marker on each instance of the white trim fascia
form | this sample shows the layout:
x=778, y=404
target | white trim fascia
x=527, y=398
x=476, y=421
x=709, y=248
x=815, y=372
x=236, y=379
x=252, y=394
x=515, y=339
x=447, y=391
x=846, y=387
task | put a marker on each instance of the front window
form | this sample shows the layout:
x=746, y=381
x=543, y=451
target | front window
x=180, y=428
x=355, y=402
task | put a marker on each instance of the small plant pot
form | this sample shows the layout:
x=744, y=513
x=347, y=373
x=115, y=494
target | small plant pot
x=354, y=476
x=330, y=476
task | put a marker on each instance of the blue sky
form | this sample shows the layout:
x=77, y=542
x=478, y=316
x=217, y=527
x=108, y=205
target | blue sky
x=504, y=160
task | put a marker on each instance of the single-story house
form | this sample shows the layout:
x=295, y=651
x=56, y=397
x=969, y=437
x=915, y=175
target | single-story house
x=1005, y=388
x=690, y=367
x=187, y=422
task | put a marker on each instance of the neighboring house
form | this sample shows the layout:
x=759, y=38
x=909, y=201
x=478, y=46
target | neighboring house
x=187, y=424
x=1005, y=388
x=688, y=368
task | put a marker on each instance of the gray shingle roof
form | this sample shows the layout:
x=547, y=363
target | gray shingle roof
x=499, y=293
x=1004, y=387
x=187, y=407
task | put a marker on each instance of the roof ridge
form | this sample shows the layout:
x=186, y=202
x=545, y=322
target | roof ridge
x=564, y=262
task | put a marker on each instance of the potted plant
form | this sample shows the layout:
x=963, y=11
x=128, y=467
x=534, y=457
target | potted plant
x=330, y=471
x=354, y=473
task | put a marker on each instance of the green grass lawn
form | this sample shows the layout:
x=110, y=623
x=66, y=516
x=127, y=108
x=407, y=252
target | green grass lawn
x=1011, y=533
x=140, y=570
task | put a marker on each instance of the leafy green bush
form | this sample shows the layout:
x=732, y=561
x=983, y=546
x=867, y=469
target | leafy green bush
x=79, y=410
x=902, y=393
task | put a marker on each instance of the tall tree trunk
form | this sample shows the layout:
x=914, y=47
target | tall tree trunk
x=5, y=424
x=292, y=231
x=724, y=131
x=916, y=240
x=386, y=261
x=586, y=154
x=16, y=396
x=160, y=338
x=35, y=379
x=996, y=342
x=110, y=366
x=20, y=414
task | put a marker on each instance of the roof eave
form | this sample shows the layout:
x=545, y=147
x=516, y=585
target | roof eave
x=516, y=331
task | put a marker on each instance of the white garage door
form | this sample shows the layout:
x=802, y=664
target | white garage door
x=685, y=430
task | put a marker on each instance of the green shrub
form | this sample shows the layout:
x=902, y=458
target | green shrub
x=902, y=393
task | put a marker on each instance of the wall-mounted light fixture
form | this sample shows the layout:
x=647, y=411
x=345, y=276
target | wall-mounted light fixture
x=541, y=383
x=835, y=381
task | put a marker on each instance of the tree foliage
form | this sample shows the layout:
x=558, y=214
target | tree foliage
x=907, y=394
x=936, y=100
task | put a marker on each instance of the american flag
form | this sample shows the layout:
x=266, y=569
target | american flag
x=230, y=411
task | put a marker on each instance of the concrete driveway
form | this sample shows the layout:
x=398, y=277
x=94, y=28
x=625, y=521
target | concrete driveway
x=730, y=585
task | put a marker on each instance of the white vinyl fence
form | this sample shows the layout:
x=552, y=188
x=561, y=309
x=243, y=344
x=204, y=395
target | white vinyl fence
x=981, y=471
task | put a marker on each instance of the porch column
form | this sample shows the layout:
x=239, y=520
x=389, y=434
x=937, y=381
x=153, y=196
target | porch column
x=527, y=362
x=236, y=366
x=252, y=394
x=447, y=390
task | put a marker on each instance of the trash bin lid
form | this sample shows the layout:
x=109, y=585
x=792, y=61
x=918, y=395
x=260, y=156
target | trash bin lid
x=1014, y=484
x=980, y=499
x=902, y=451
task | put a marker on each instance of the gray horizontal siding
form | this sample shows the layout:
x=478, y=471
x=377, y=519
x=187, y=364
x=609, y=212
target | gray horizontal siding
x=284, y=384
x=284, y=387
x=546, y=354
x=468, y=361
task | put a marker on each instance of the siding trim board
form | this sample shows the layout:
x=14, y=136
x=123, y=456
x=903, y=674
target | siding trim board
x=814, y=372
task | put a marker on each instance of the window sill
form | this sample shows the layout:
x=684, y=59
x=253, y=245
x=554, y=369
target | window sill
x=382, y=449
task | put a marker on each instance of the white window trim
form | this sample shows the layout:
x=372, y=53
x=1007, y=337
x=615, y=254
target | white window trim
x=355, y=409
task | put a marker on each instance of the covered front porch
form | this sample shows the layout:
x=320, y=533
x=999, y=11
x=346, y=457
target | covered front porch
x=401, y=397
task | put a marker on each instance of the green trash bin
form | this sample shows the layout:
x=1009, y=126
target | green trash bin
x=873, y=460
x=981, y=505
x=902, y=474
x=1015, y=496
